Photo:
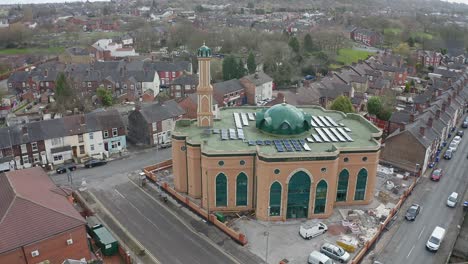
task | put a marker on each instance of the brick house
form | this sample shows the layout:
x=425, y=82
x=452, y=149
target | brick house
x=28, y=145
x=258, y=87
x=429, y=58
x=169, y=71
x=229, y=93
x=40, y=224
x=189, y=104
x=152, y=124
x=183, y=86
x=6, y=150
x=366, y=37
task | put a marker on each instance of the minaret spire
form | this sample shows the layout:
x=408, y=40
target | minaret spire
x=204, y=88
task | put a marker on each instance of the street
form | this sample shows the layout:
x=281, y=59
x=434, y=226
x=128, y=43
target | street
x=408, y=239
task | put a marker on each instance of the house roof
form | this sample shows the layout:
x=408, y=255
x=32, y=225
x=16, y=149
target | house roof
x=161, y=111
x=227, y=87
x=102, y=120
x=258, y=78
x=400, y=117
x=30, y=209
x=186, y=79
x=5, y=141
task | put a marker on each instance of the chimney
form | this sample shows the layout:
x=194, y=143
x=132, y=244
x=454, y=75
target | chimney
x=256, y=75
x=449, y=100
x=422, y=130
x=411, y=118
x=444, y=106
x=439, y=92
x=428, y=103
x=429, y=121
x=24, y=130
x=402, y=127
x=437, y=115
x=46, y=72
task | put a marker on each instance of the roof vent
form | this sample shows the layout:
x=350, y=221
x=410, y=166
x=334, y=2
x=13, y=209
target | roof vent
x=35, y=253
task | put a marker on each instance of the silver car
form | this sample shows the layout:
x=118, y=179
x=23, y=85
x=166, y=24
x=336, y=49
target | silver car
x=335, y=252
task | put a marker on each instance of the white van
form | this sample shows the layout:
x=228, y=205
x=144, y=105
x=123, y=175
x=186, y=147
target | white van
x=433, y=243
x=309, y=231
x=318, y=258
x=452, y=199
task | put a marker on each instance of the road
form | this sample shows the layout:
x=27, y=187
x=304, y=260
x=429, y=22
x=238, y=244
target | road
x=156, y=228
x=407, y=244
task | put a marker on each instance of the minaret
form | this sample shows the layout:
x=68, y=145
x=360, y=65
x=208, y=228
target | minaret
x=204, y=88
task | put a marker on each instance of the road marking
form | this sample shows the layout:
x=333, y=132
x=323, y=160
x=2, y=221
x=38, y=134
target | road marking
x=410, y=251
x=420, y=234
x=120, y=194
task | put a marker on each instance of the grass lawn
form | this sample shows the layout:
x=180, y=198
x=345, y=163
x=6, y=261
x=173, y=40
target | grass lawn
x=348, y=56
x=52, y=50
x=395, y=31
x=421, y=34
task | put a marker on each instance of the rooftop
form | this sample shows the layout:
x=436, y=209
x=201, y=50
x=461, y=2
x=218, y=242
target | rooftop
x=355, y=126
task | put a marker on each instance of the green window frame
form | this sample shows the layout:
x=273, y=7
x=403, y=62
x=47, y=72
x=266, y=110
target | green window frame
x=298, y=195
x=361, y=183
x=241, y=189
x=342, y=190
x=275, y=199
x=321, y=197
x=221, y=190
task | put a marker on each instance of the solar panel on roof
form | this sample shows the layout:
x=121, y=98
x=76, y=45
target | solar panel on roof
x=224, y=134
x=240, y=133
x=251, y=116
x=313, y=123
x=306, y=147
x=341, y=124
x=310, y=140
x=237, y=120
x=245, y=122
x=232, y=133
x=330, y=135
x=347, y=129
x=301, y=141
x=276, y=141
x=296, y=145
x=331, y=121
x=322, y=134
x=317, y=138
x=317, y=121
x=289, y=148
x=337, y=134
x=216, y=131
x=251, y=143
x=324, y=121
x=344, y=134
x=260, y=142
x=267, y=142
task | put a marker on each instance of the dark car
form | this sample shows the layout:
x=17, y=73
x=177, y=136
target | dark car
x=460, y=133
x=94, y=163
x=65, y=167
x=448, y=154
x=412, y=212
x=436, y=175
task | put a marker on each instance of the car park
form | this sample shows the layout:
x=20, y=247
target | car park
x=94, y=163
x=412, y=212
x=310, y=231
x=452, y=199
x=436, y=175
x=66, y=167
x=448, y=154
x=316, y=257
x=335, y=252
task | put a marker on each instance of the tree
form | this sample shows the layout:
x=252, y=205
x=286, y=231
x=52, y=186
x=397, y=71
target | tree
x=230, y=68
x=250, y=5
x=411, y=41
x=407, y=88
x=241, y=70
x=294, y=44
x=309, y=44
x=374, y=105
x=342, y=103
x=251, y=64
x=105, y=95
x=402, y=49
x=62, y=88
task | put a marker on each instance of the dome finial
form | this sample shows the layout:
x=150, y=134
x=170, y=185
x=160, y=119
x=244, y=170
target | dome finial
x=204, y=43
x=284, y=100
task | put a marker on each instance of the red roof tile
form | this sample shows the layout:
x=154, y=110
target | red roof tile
x=34, y=211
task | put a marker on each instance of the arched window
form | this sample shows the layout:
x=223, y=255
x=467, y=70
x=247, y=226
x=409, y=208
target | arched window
x=361, y=183
x=298, y=195
x=241, y=189
x=321, y=197
x=275, y=199
x=342, y=186
x=221, y=190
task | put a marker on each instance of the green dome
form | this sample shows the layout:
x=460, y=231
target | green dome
x=204, y=51
x=283, y=119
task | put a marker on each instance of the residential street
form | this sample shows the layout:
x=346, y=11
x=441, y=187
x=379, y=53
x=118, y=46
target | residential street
x=405, y=242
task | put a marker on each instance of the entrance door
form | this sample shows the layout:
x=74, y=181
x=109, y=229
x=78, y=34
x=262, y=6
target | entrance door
x=75, y=154
x=298, y=195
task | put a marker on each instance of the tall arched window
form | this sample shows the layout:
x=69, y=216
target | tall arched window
x=221, y=190
x=321, y=197
x=361, y=183
x=342, y=190
x=275, y=199
x=241, y=189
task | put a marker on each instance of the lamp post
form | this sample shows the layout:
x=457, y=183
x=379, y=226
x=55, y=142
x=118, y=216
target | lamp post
x=267, y=234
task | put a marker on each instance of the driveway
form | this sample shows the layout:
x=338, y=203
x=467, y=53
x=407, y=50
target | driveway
x=405, y=242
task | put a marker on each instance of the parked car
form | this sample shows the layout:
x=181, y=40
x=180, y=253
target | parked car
x=448, y=154
x=434, y=241
x=94, y=162
x=412, y=212
x=436, y=175
x=465, y=123
x=457, y=139
x=460, y=133
x=310, y=231
x=453, y=146
x=316, y=257
x=335, y=252
x=452, y=199
x=63, y=168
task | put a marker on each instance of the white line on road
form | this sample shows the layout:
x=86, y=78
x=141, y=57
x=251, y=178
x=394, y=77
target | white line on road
x=410, y=251
x=119, y=193
x=420, y=234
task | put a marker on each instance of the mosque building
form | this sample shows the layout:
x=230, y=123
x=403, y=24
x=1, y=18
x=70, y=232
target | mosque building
x=283, y=162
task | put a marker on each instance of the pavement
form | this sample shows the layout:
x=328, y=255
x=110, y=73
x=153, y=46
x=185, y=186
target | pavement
x=405, y=241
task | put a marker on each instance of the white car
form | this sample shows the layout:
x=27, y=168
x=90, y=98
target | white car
x=453, y=146
x=452, y=199
x=457, y=139
x=309, y=231
x=335, y=252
